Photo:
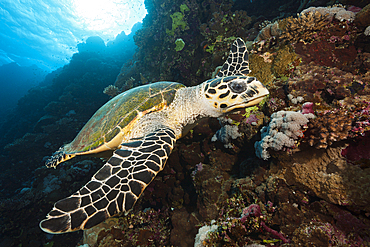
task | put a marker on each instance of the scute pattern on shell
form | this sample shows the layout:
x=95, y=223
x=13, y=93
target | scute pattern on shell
x=119, y=112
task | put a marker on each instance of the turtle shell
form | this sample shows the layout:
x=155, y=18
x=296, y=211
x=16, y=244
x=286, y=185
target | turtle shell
x=107, y=127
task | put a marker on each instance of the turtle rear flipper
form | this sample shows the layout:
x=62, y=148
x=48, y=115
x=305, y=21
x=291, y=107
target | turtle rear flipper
x=115, y=187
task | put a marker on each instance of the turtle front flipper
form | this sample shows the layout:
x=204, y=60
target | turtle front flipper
x=237, y=62
x=115, y=187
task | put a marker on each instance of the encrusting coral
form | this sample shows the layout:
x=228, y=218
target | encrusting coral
x=320, y=84
x=337, y=12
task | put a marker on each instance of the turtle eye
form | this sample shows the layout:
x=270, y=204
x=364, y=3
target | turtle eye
x=238, y=86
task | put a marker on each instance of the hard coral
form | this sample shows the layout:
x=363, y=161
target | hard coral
x=303, y=28
x=111, y=90
x=239, y=224
x=326, y=174
x=347, y=118
x=267, y=66
x=269, y=31
x=320, y=84
x=362, y=18
x=337, y=12
x=328, y=128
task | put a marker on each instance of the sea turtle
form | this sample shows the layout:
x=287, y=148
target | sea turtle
x=141, y=127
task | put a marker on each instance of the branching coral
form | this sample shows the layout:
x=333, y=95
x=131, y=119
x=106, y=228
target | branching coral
x=328, y=128
x=303, y=28
x=125, y=85
x=348, y=118
x=111, y=90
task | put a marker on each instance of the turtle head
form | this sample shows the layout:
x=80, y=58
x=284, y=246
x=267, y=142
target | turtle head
x=225, y=94
x=233, y=88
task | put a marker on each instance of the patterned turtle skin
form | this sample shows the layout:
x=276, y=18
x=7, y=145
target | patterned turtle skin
x=141, y=127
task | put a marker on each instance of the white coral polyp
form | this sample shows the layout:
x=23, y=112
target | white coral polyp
x=283, y=130
x=367, y=31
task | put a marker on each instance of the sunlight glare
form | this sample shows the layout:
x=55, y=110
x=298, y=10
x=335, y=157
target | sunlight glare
x=107, y=16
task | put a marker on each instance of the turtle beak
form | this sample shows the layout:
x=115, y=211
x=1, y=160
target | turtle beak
x=262, y=92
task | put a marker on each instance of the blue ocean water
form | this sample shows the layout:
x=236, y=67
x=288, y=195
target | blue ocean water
x=38, y=37
x=49, y=52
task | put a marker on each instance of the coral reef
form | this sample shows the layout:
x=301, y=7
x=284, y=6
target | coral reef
x=327, y=174
x=282, y=133
x=362, y=18
x=303, y=28
x=146, y=228
x=329, y=127
x=226, y=133
x=224, y=25
x=202, y=234
x=269, y=31
x=337, y=12
x=180, y=44
x=111, y=90
x=320, y=84
x=238, y=225
x=178, y=22
x=269, y=65
x=316, y=194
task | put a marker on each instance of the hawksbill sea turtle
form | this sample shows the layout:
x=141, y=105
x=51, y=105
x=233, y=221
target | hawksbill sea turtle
x=141, y=127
